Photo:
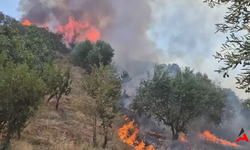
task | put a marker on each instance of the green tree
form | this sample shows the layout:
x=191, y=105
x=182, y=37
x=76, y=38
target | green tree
x=235, y=51
x=13, y=45
x=87, y=54
x=6, y=20
x=177, y=100
x=21, y=93
x=58, y=82
x=105, y=51
x=104, y=87
x=80, y=53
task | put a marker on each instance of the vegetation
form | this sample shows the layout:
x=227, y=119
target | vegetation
x=27, y=74
x=87, y=54
x=178, y=100
x=235, y=51
x=30, y=72
x=104, y=87
x=20, y=98
x=58, y=83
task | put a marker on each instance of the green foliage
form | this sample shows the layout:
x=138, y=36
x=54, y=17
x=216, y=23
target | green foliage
x=81, y=52
x=26, y=73
x=58, y=82
x=13, y=45
x=178, y=100
x=104, y=87
x=6, y=20
x=235, y=51
x=21, y=93
x=87, y=54
x=42, y=48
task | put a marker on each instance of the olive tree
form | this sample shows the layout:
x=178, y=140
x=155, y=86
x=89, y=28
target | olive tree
x=104, y=87
x=178, y=100
x=21, y=93
x=236, y=49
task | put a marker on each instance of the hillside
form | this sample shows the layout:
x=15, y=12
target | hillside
x=106, y=105
x=69, y=127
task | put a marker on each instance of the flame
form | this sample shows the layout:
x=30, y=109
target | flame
x=74, y=31
x=129, y=133
x=26, y=22
x=83, y=29
x=181, y=138
x=210, y=137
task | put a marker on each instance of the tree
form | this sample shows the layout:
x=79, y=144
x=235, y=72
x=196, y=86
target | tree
x=21, y=93
x=87, y=54
x=235, y=51
x=80, y=53
x=57, y=81
x=104, y=87
x=13, y=45
x=105, y=51
x=177, y=100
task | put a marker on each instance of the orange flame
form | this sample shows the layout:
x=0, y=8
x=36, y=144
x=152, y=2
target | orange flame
x=75, y=29
x=80, y=29
x=210, y=137
x=181, y=138
x=129, y=133
x=26, y=22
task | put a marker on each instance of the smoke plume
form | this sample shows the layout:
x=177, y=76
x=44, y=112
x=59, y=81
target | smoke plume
x=123, y=24
x=144, y=32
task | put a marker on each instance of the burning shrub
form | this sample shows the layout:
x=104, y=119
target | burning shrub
x=176, y=101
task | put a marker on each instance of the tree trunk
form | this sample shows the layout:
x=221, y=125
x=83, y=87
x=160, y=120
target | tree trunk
x=105, y=130
x=51, y=96
x=94, y=131
x=175, y=134
x=19, y=134
x=57, y=101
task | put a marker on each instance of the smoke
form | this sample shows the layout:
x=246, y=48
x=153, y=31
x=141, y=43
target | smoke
x=144, y=32
x=123, y=24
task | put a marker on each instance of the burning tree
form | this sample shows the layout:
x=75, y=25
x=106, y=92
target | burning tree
x=104, y=87
x=177, y=100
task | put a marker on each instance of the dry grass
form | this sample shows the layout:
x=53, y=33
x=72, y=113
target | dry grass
x=69, y=127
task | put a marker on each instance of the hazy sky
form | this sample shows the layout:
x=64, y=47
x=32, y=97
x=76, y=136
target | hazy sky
x=9, y=7
x=184, y=30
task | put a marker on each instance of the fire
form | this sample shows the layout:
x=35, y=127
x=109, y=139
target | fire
x=210, y=137
x=26, y=22
x=129, y=133
x=74, y=31
x=83, y=29
x=181, y=138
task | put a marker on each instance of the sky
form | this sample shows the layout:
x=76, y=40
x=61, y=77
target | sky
x=184, y=30
x=10, y=8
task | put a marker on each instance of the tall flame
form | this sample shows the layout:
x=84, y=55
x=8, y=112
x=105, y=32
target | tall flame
x=75, y=31
x=26, y=22
x=129, y=133
x=80, y=29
